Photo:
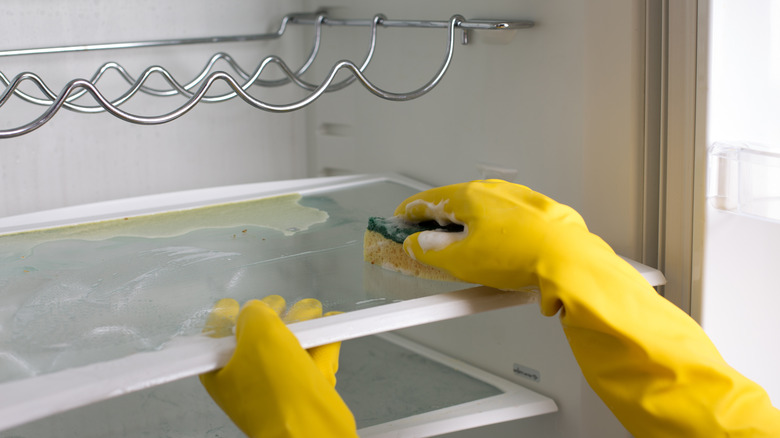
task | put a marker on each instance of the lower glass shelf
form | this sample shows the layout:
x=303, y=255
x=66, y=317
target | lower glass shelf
x=394, y=387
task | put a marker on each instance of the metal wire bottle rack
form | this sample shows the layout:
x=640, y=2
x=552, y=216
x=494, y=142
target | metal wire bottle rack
x=240, y=82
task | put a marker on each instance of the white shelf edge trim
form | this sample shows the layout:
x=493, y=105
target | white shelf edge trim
x=185, y=200
x=39, y=397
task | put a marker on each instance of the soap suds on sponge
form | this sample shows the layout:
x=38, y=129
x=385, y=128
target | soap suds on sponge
x=383, y=245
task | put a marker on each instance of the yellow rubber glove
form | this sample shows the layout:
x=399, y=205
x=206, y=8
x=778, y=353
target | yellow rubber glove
x=651, y=364
x=272, y=387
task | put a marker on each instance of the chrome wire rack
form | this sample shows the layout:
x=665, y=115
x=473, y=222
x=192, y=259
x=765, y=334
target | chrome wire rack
x=196, y=90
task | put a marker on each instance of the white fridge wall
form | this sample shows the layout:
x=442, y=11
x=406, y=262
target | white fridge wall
x=562, y=103
x=740, y=277
x=84, y=158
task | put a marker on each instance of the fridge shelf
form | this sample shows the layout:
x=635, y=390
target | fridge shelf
x=394, y=388
x=744, y=178
x=106, y=299
x=196, y=90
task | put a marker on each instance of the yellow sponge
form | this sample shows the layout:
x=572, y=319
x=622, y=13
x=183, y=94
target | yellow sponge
x=389, y=252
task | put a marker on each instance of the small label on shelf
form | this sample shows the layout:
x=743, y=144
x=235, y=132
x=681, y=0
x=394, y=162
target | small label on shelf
x=528, y=373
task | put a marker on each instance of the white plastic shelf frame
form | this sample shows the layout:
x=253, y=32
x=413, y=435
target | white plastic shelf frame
x=744, y=178
x=107, y=299
x=394, y=387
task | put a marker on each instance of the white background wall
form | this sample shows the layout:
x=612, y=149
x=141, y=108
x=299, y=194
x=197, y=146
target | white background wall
x=741, y=276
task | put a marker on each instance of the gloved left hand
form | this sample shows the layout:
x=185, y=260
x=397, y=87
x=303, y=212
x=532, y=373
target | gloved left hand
x=272, y=387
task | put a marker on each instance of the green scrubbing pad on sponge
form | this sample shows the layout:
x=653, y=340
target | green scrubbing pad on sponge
x=396, y=229
x=383, y=246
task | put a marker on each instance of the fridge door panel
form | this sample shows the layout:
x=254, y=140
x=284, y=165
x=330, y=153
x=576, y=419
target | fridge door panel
x=741, y=213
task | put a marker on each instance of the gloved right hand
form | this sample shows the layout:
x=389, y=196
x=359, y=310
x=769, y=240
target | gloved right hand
x=506, y=227
x=650, y=363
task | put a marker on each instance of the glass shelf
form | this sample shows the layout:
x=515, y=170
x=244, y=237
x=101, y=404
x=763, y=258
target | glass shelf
x=75, y=295
x=393, y=386
x=110, y=298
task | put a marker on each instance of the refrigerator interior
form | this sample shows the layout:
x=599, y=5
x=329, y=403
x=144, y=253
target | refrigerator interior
x=561, y=107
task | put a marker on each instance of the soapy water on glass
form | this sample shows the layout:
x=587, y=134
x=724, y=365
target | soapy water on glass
x=72, y=297
x=80, y=312
x=73, y=301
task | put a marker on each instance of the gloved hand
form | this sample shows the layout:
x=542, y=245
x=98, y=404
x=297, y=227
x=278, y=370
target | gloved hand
x=272, y=387
x=651, y=364
x=505, y=228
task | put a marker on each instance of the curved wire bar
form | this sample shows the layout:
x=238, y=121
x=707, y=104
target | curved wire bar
x=184, y=89
x=378, y=19
x=62, y=100
x=453, y=23
x=296, y=77
x=174, y=91
x=315, y=49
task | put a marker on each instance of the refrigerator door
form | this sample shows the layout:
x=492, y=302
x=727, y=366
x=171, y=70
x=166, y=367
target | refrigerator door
x=742, y=213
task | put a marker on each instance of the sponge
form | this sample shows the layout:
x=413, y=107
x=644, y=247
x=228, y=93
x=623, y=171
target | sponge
x=383, y=246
